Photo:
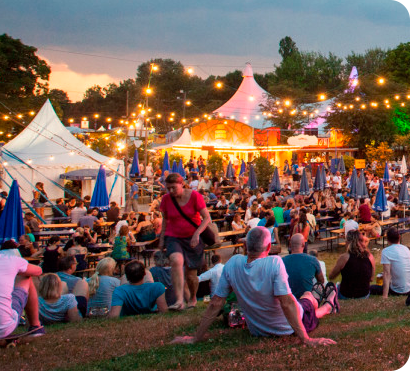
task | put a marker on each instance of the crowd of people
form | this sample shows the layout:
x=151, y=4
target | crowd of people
x=280, y=285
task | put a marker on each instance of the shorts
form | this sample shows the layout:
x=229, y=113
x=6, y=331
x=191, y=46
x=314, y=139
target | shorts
x=193, y=257
x=295, y=177
x=19, y=298
x=309, y=319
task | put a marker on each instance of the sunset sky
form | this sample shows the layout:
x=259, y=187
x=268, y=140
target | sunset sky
x=98, y=42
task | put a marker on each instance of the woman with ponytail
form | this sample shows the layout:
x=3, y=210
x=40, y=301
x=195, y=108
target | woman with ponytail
x=102, y=284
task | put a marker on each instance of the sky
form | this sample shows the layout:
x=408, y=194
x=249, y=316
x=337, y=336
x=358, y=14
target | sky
x=92, y=42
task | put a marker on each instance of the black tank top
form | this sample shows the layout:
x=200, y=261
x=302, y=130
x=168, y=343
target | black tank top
x=50, y=261
x=356, y=276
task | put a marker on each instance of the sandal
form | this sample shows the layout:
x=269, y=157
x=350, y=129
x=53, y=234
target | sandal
x=318, y=292
x=330, y=287
x=176, y=307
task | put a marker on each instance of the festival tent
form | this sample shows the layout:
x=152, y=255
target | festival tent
x=46, y=152
x=183, y=140
x=244, y=105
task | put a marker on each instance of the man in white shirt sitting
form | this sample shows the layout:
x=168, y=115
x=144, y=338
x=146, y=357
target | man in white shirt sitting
x=260, y=283
x=337, y=181
x=214, y=274
x=350, y=224
x=205, y=184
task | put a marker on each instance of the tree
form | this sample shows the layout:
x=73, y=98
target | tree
x=22, y=73
x=264, y=171
x=287, y=47
x=381, y=154
x=371, y=62
x=397, y=63
x=214, y=164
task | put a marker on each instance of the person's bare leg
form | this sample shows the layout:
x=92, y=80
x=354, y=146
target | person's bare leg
x=31, y=308
x=324, y=309
x=193, y=283
x=176, y=260
x=187, y=294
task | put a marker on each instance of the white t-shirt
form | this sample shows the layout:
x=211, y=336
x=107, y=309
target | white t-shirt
x=350, y=225
x=387, y=213
x=252, y=223
x=398, y=256
x=213, y=275
x=337, y=182
x=10, y=266
x=256, y=296
x=205, y=185
x=194, y=185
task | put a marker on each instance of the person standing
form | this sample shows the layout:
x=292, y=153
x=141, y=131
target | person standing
x=181, y=239
x=39, y=199
x=132, y=202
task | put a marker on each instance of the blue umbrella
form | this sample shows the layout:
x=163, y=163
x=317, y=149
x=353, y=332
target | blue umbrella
x=361, y=186
x=11, y=220
x=386, y=176
x=230, y=172
x=380, y=204
x=243, y=168
x=353, y=183
x=404, y=197
x=274, y=185
x=333, y=165
x=323, y=176
x=165, y=165
x=341, y=166
x=252, y=182
x=100, y=197
x=174, y=167
x=304, y=185
x=135, y=168
x=181, y=170
x=318, y=185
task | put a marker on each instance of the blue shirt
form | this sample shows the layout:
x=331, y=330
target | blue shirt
x=57, y=311
x=102, y=298
x=69, y=279
x=286, y=216
x=134, y=188
x=301, y=269
x=137, y=299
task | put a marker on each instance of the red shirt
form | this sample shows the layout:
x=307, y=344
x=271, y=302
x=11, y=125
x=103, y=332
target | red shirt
x=177, y=226
x=364, y=213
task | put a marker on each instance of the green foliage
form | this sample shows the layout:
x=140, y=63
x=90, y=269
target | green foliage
x=402, y=121
x=214, y=164
x=287, y=47
x=371, y=62
x=264, y=171
x=175, y=156
x=397, y=63
x=349, y=162
x=381, y=154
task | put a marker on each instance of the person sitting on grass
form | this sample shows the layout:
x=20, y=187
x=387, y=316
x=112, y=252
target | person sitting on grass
x=260, y=283
x=214, y=274
x=137, y=297
x=18, y=294
x=54, y=306
x=75, y=285
x=162, y=273
x=357, y=267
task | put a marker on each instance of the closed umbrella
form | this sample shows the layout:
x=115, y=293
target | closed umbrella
x=403, y=167
x=323, y=176
x=100, y=197
x=386, y=175
x=181, y=170
x=165, y=165
x=361, y=186
x=230, y=173
x=380, y=203
x=174, y=167
x=274, y=185
x=404, y=197
x=341, y=166
x=304, y=185
x=11, y=220
x=135, y=168
x=353, y=183
x=243, y=168
x=252, y=182
x=318, y=185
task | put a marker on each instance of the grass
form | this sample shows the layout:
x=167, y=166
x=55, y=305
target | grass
x=371, y=335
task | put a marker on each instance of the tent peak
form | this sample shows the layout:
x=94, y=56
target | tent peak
x=248, y=71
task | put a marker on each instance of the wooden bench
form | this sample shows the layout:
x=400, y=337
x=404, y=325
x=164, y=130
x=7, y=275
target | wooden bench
x=331, y=239
x=208, y=251
x=88, y=272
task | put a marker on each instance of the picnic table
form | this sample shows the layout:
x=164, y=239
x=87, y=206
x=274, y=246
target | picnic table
x=231, y=233
x=58, y=226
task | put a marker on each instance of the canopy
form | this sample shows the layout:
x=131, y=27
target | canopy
x=183, y=140
x=244, y=105
x=83, y=174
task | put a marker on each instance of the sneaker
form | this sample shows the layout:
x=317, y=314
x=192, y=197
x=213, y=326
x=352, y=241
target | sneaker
x=37, y=331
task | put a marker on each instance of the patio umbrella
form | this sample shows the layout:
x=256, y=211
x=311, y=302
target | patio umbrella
x=230, y=172
x=174, y=167
x=318, y=185
x=341, y=166
x=333, y=165
x=274, y=185
x=100, y=197
x=353, y=183
x=323, y=176
x=165, y=165
x=404, y=197
x=135, y=168
x=181, y=170
x=304, y=185
x=11, y=220
x=243, y=168
x=380, y=203
x=252, y=182
x=403, y=167
x=386, y=176
x=361, y=186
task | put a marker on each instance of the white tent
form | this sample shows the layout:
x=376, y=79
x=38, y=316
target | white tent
x=244, y=105
x=183, y=140
x=47, y=146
